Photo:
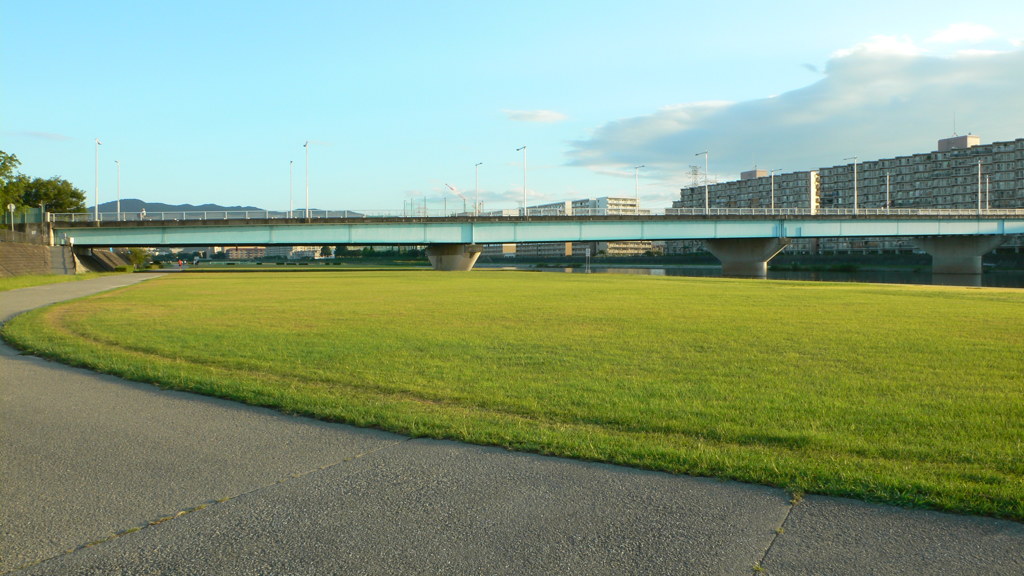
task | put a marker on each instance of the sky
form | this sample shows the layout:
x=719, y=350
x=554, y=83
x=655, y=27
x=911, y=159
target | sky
x=212, y=102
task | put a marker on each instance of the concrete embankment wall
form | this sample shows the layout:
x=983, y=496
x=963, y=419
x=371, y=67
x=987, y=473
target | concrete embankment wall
x=17, y=259
x=103, y=260
x=20, y=259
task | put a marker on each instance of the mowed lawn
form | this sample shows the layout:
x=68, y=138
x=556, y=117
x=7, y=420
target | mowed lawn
x=898, y=394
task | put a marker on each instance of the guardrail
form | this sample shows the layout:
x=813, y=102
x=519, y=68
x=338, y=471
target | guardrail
x=844, y=212
x=113, y=217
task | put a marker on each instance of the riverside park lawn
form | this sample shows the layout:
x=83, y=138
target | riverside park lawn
x=907, y=395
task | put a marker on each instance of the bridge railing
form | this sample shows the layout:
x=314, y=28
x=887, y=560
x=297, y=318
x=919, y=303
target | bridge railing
x=843, y=212
x=113, y=217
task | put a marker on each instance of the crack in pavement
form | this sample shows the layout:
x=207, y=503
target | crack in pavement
x=795, y=499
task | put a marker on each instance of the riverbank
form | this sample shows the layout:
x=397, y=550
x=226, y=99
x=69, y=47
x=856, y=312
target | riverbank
x=854, y=390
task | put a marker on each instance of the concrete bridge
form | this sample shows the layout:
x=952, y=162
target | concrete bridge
x=744, y=240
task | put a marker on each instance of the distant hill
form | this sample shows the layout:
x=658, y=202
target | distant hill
x=135, y=205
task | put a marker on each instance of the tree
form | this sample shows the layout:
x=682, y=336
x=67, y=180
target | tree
x=8, y=164
x=325, y=251
x=57, y=194
x=138, y=257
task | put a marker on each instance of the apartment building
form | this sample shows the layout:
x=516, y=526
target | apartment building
x=257, y=252
x=961, y=174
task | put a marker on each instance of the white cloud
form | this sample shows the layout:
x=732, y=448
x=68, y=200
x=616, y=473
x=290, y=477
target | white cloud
x=870, y=103
x=962, y=32
x=978, y=52
x=44, y=136
x=881, y=45
x=544, y=116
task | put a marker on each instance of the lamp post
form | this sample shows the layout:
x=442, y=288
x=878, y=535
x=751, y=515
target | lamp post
x=523, y=148
x=854, y=158
x=476, y=190
x=306, y=146
x=636, y=185
x=96, y=190
x=118, y=163
x=979, y=186
x=291, y=170
x=707, y=205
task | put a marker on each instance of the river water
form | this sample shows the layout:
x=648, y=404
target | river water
x=1001, y=278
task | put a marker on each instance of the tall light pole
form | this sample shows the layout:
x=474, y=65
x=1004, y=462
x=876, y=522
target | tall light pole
x=979, y=186
x=636, y=185
x=854, y=158
x=118, y=163
x=476, y=191
x=523, y=148
x=291, y=170
x=306, y=146
x=707, y=204
x=96, y=190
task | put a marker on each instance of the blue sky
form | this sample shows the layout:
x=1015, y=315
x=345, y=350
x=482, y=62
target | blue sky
x=210, y=101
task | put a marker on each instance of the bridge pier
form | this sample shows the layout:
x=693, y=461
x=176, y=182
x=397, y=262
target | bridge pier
x=958, y=254
x=745, y=257
x=453, y=257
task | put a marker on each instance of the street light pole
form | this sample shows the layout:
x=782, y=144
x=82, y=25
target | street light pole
x=523, y=148
x=707, y=205
x=854, y=158
x=96, y=190
x=476, y=191
x=636, y=185
x=979, y=186
x=306, y=146
x=291, y=170
x=118, y=163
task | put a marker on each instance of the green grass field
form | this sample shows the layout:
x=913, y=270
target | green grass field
x=898, y=394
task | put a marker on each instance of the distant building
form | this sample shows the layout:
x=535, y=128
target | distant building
x=603, y=206
x=257, y=252
x=245, y=252
x=961, y=174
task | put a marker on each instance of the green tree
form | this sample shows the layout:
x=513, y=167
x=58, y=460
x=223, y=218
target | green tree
x=138, y=257
x=325, y=251
x=57, y=194
x=8, y=165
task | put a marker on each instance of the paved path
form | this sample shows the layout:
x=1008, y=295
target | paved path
x=103, y=476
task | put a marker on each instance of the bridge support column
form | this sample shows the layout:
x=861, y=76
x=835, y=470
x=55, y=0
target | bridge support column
x=745, y=257
x=958, y=254
x=453, y=257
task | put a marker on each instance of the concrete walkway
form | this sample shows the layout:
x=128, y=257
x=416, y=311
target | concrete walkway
x=103, y=476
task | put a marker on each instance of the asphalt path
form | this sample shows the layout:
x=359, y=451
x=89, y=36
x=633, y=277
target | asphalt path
x=105, y=476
